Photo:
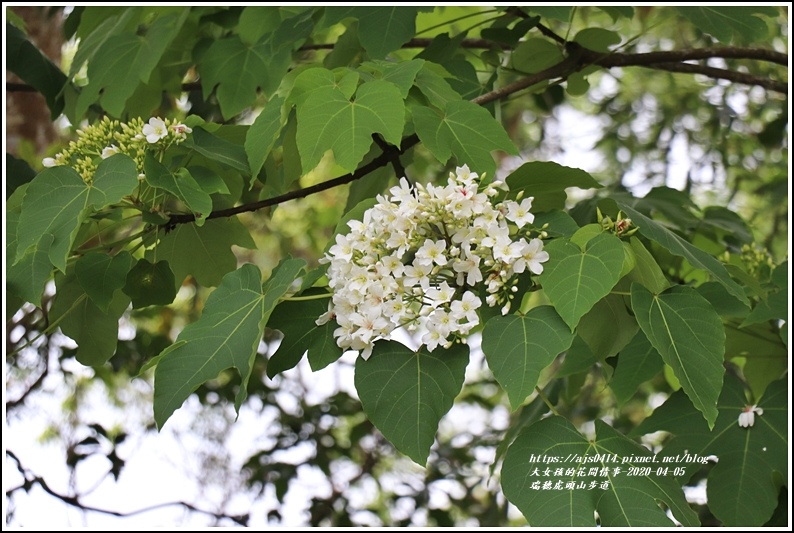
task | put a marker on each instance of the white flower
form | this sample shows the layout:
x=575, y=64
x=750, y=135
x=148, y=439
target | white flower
x=108, y=151
x=48, y=162
x=155, y=130
x=532, y=255
x=747, y=416
x=519, y=213
x=432, y=252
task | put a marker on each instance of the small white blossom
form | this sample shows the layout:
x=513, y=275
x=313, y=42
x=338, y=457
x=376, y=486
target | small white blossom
x=747, y=416
x=48, y=162
x=154, y=130
x=108, y=151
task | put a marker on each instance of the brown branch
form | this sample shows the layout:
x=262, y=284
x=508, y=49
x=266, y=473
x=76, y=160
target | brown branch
x=375, y=164
x=394, y=155
x=74, y=501
x=723, y=74
x=577, y=59
x=689, y=54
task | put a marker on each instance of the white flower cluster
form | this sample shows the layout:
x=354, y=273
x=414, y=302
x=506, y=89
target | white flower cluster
x=420, y=258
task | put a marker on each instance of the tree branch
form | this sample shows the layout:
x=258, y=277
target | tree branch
x=32, y=479
x=723, y=74
x=577, y=59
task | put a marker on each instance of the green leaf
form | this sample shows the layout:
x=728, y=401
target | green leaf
x=576, y=84
x=26, y=278
x=726, y=22
x=329, y=120
x=597, y=39
x=430, y=81
x=101, y=275
x=255, y=21
x=464, y=129
x=263, y=134
x=227, y=335
x=560, y=223
x=546, y=181
x=637, y=363
x=401, y=74
x=765, y=354
x=627, y=501
x=182, y=185
x=646, y=270
x=238, y=69
x=722, y=301
x=536, y=54
x=30, y=274
x=676, y=206
x=381, y=29
x=575, y=279
x=688, y=333
x=678, y=246
x=150, y=284
x=347, y=49
x=218, y=149
x=58, y=200
x=297, y=321
x=203, y=252
x=35, y=69
x=518, y=348
x=608, y=327
x=405, y=393
x=741, y=489
x=578, y=359
x=729, y=223
x=94, y=331
x=562, y=13
x=95, y=40
x=124, y=62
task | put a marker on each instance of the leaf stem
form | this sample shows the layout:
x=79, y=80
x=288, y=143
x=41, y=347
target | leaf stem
x=306, y=298
x=546, y=401
x=621, y=293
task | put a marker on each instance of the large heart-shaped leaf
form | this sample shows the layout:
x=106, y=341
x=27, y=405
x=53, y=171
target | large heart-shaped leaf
x=574, y=279
x=405, y=393
x=124, y=62
x=464, y=129
x=95, y=331
x=58, y=200
x=328, y=120
x=742, y=489
x=517, y=348
x=204, y=252
x=688, y=333
x=557, y=477
x=227, y=335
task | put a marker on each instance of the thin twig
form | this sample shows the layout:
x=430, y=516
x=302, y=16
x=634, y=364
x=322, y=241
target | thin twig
x=32, y=479
x=723, y=74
